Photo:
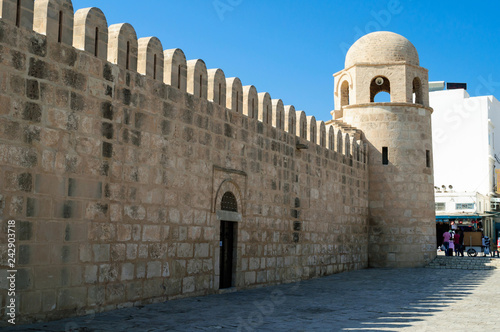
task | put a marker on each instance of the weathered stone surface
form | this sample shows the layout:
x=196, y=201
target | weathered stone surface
x=124, y=182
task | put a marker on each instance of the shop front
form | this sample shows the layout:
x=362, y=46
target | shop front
x=465, y=222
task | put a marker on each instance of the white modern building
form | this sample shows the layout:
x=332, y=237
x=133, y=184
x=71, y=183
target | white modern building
x=466, y=151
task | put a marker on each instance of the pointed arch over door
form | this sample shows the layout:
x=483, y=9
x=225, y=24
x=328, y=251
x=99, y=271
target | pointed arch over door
x=228, y=202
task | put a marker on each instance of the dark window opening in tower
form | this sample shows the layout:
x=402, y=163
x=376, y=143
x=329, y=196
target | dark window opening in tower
x=253, y=108
x=427, y=158
x=237, y=101
x=417, y=91
x=385, y=155
x=344, y=94
x=380, y=84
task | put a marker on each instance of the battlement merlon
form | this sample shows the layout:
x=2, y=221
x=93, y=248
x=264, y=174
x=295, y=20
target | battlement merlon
x=87, y=30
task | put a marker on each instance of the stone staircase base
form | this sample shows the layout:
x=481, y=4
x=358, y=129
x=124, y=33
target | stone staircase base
x=464, y=263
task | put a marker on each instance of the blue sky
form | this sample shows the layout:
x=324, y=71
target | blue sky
x=291, y=48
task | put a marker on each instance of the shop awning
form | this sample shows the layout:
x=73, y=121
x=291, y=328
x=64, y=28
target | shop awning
x=460, y=216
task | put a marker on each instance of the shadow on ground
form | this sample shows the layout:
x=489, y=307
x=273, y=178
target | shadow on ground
x=373, y=299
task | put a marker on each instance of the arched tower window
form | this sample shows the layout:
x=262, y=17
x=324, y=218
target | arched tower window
x=417, y=91
x=344, y=94
x=379, y=84
x=228, y=202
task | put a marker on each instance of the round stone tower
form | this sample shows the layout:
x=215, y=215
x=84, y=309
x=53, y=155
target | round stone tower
x=401, y=185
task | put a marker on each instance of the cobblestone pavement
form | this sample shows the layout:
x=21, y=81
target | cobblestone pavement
x=375, y=299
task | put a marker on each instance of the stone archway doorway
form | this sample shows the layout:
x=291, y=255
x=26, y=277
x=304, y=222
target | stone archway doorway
x=228, y=237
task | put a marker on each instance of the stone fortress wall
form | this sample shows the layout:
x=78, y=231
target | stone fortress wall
x=115, y=157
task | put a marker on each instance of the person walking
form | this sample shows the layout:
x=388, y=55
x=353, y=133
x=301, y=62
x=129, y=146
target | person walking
x=486, y=245
x=446, y=242
x=456, y=242
x=461, y=232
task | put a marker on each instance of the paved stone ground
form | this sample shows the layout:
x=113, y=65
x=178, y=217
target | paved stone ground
x=374, y=299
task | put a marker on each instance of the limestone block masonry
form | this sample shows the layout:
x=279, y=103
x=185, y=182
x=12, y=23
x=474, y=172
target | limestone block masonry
x=120, y=180
x=401, y=200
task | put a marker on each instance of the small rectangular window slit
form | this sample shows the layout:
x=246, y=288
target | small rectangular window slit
x=179, y=77
x=385, y=155
x=96, y=42
x=154, y=67
x=60, y=32
x=18, y=13
x=428, y=158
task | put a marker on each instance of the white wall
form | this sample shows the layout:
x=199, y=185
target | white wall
x=462, y=154
x=450, y=199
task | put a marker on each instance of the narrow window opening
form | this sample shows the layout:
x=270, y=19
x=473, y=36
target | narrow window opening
x=18, y=13
x=220, y=94
x=96, y=42
x=267, y=114
x=237, y=100
x=279, y=119
x=385, y=155
x=59, y=36
x=179, y=77
x=154, y=67
x=344, y=94
x=201, y=84
x=417, y=91
x=127, y=60
x=428, y=158
x=253, y=108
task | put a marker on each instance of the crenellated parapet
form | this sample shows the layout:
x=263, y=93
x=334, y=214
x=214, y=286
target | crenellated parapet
x=18, y=12
x=124, y=163
x=217, y=86
x=87, y=30
x=90, y=32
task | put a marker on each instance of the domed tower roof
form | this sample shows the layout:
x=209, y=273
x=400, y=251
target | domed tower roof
x=381, y=47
